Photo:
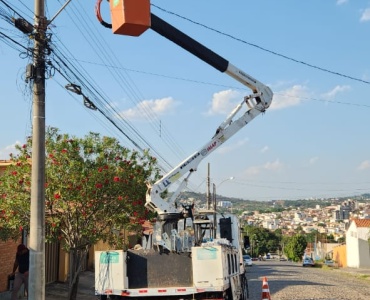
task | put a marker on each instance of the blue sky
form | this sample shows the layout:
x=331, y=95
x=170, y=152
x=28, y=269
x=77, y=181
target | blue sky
x=311, y=143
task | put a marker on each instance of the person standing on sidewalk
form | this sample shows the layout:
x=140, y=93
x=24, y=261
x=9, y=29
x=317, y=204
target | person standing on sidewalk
x=22, y=263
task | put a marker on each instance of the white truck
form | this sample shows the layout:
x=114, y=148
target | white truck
x=190, y=253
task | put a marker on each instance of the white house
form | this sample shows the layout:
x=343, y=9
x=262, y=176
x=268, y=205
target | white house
x=358, y=249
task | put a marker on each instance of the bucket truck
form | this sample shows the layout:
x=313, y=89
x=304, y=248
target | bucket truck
x=190, y=254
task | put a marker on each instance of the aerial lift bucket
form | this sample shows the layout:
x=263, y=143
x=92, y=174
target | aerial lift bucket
x=130, y=17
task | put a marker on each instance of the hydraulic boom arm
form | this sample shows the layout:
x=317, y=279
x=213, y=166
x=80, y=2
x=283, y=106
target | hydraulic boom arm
x=254, y=104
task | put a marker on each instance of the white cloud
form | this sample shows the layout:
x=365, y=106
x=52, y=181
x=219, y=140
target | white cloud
x=224, y=102
x=228, y=148
x=148, y=107
x=275, y=165
x=336, y=90
x=340, y=2
x=365, y=16
x=364, y=165
x=264, y=149
x=4, y=153
x=313, y=160
x=269, y=166
x=289, y=97
x=253, y=170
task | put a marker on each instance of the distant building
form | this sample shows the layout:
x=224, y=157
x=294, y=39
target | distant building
x=343, y=213
x=224, y=204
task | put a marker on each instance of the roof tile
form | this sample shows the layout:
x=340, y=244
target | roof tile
x=362, y=222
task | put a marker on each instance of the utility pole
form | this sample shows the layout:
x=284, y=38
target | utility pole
x=36, y=288
x=209, y=187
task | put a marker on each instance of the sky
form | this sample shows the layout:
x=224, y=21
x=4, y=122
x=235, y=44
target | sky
x=313, y=141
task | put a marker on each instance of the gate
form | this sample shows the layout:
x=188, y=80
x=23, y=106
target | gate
x=51, y=262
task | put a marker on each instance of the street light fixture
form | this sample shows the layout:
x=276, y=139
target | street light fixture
x=230, y=178
x=217, y=186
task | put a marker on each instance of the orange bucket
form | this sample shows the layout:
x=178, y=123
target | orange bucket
x=130, y=17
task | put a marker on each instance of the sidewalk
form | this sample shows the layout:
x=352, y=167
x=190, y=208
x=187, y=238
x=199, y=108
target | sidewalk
x=59, y=290
x=355, y=271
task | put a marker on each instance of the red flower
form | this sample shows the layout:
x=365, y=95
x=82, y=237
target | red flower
x=46, y=184
x=24, y=146
x=51, y=155
x=64, y=151
x=106, y=167
x=14, y=173
x=120, y=198
x=135, y=213
x=19, y=163
x=57, y=196
x=20, y=228
x=116, y=178
x=98, y=185
x=100, y=170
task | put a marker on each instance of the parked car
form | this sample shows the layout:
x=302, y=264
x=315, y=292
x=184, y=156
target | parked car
x=247, y=260
x=308, y=262
x=329, y=263
x=282, y=258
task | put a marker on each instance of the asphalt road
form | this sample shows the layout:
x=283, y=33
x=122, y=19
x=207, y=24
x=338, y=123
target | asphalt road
x=288, y=280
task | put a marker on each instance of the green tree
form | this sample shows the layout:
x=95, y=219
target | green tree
x=262, y=240
x=94, y=189
x=295, y=247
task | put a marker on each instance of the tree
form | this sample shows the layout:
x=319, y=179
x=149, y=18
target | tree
x=262, y=240
x=94, y=189
x=295, y=247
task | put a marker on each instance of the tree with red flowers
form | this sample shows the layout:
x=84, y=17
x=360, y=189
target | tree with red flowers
x=94, y=189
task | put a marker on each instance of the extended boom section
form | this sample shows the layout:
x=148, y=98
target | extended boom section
x=170, y=209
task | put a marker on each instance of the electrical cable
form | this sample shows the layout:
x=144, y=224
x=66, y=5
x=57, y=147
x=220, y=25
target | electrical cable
x=264, y=49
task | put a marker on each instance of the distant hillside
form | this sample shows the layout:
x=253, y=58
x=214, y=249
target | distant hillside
x=240, y=205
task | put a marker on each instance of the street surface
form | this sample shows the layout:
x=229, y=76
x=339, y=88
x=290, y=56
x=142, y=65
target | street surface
x=286, y=280
x=291, y=281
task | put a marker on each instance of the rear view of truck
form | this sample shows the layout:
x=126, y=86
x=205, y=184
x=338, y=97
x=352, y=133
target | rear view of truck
x=210, y=268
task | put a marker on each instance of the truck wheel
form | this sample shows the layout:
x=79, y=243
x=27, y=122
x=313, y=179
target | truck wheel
x=228, y=294
x=244, y=286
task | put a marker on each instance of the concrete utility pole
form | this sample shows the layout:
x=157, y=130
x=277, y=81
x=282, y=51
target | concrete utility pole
x=209, y=187
x=36, y=289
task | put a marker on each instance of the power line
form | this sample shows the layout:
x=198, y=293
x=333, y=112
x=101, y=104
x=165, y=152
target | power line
x=264, y=49
x=221, y=85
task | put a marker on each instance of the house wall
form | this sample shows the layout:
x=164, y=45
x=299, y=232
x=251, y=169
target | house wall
x=7, y=256
x=340, y=256
x=364, y=258
x=353, y=252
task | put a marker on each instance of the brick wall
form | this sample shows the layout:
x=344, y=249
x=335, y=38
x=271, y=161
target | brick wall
x=7, y=255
